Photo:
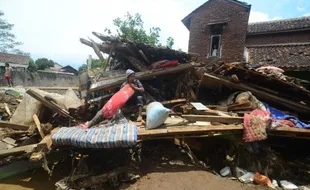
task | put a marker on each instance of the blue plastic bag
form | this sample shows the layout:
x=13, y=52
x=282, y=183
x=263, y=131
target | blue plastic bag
x=156, y=115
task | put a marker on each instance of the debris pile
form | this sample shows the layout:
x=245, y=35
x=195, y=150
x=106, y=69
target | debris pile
x=240, y=108
x=8, y=103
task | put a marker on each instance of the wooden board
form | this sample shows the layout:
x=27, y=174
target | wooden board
x=182, y=100
x=22, y=149
x=4, y=124
x=291, y=132
x=48, y=104
x=177, y=130
x=38, y=125
x=220, y=119
x=260, y=94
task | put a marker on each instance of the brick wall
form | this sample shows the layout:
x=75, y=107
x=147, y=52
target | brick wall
x=234, y=33
x=292, y=37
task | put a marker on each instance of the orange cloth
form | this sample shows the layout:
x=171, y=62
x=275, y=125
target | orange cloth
x=262, y=180
x=117, y=101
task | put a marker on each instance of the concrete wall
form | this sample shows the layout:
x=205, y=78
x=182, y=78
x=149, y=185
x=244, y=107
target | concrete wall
x=233, y=35
x=41, y=79
x=278, y=38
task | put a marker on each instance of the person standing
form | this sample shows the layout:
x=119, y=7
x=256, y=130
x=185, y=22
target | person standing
x=8, y=74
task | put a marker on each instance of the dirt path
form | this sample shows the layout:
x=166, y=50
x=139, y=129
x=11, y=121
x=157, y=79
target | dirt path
x=178, y=179
x=198, y=180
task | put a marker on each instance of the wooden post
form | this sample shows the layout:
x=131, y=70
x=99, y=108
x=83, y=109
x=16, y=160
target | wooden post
x=38, y=124
x=89, y=62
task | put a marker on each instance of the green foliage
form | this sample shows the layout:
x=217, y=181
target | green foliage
x=32, y=66
x=170, y=42
x=131, y=28
x=98, y=63
x=83, y=67
x=43, y=63
x=95, y=64
x=7, y=38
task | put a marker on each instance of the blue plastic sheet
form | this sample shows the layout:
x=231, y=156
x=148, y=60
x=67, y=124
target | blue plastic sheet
x=279, y=115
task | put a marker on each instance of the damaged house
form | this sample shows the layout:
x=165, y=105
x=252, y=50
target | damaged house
x=214, y=112
x=227, y=36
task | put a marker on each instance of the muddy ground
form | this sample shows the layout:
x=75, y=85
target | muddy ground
x=163, y=166
x=180, y=178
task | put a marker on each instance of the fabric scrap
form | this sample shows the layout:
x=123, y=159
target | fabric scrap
x=255, y=125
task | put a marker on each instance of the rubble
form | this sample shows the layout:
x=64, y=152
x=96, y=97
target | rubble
x=211, y=108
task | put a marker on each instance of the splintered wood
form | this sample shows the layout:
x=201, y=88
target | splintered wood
x=260, y=94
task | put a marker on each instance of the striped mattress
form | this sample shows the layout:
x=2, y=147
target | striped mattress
x=118, y=135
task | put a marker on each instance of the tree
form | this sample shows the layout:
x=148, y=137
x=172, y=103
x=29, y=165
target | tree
x=32, y=66
x=83, y=67
x=170, y=42
x=43, y=63
x=95, y=64
x=8, y=41
x=131, y=28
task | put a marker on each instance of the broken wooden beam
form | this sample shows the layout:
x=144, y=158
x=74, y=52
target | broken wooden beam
x=17, y=150
x=38, y=125
x=105, y=48
x=49, y=104
x=15, y=126
x=259, y=93
x=145, y=75
x=44, y=146
x=209, y=118
x=106, y=38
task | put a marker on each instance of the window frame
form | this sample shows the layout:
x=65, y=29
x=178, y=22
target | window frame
x=219, y=46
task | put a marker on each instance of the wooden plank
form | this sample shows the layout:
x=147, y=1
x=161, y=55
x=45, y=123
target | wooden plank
x=177, y=130
x=145, y=75
x=4, y=124
x=22, y=149
x=220, y=119
x=7, y=109
x=38, y=125
x=48, y=104
x=170, y=102
x=259, y=93
x=290, y=129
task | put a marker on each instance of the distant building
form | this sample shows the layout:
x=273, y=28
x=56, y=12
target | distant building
x=60, y=69
x=57, y=67
x=69, y=69
x=219, y=31
x=17, y=62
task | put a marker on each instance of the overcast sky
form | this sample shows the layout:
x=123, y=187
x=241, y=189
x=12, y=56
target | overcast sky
x=52, y=28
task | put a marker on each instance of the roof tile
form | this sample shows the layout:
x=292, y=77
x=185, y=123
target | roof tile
x=290, y=56
x=279, y=25
x=13, y=58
